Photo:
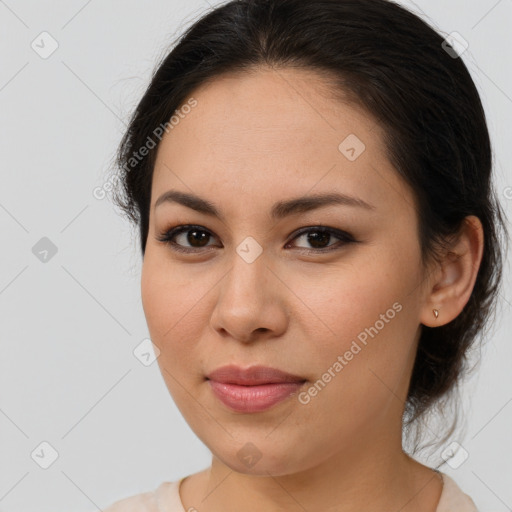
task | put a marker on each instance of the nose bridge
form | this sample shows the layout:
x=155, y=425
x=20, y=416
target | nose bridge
x=247, y=300
x=247, y=276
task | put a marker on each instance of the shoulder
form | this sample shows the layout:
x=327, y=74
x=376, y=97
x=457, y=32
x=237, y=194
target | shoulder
x=144, y=502
x=167, y=492
x=454, y=498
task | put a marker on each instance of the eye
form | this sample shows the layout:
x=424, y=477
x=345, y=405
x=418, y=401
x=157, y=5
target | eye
x=186, y=233
x=319, y=237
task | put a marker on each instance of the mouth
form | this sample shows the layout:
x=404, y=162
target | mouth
x=253, y=376
x=254, y=389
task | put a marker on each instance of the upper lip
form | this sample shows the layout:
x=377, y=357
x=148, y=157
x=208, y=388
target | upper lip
x=252, y=376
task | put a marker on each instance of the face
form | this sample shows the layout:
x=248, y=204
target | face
x=328, y=291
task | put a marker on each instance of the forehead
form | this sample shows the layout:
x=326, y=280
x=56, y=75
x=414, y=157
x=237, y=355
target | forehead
x=273, y=133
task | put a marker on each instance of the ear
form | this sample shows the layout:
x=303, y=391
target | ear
x=453, y=282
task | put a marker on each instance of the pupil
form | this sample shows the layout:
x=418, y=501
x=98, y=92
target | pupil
x=313, y=238
x=202, y=238
x=317, y=239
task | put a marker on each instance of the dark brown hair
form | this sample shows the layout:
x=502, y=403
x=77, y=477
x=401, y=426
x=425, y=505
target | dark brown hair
x=396, y=67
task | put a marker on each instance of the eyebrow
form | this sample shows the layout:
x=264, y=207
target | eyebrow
x=279, y=210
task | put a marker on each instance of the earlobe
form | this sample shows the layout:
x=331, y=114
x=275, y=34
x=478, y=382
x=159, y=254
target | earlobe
x=456, y=278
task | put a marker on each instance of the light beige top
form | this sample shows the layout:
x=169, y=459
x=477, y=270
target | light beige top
x=166, y=498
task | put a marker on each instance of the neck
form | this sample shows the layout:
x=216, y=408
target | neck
x=360, y=476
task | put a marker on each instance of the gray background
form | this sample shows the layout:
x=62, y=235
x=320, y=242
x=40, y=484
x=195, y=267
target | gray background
x=69, y=326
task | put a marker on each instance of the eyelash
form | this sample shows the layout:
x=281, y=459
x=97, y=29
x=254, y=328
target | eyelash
x=167, y=236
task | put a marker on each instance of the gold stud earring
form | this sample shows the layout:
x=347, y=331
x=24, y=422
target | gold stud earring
x=436, y=312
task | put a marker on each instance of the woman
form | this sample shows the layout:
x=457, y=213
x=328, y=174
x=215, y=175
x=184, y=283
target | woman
x=312, y=185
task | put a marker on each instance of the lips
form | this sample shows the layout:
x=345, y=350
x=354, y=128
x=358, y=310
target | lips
x=254, y=389
x=253, y=376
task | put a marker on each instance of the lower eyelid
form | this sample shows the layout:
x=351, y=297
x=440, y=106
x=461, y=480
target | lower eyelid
x=168, y=237
x=184, y=232
x=344, y=238
x=333, y=235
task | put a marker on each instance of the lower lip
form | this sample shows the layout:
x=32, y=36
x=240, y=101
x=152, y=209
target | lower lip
x=253, y=398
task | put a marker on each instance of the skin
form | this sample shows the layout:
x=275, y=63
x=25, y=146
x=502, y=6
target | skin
x=252, y=140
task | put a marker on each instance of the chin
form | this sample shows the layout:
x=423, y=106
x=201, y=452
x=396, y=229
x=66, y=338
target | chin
x=259, y=457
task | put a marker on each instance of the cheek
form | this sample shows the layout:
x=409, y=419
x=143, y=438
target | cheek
x=168, y=297
x=174, y=307
x=364, y=314
x=343, y=303
x=155, y=295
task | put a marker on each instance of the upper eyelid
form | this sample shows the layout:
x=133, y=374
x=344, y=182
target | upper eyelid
x=183, y=228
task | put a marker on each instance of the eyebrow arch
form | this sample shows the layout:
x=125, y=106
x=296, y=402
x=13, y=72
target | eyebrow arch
x=279, y=210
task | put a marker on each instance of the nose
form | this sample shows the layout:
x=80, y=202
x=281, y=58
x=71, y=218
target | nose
x=250, y=303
